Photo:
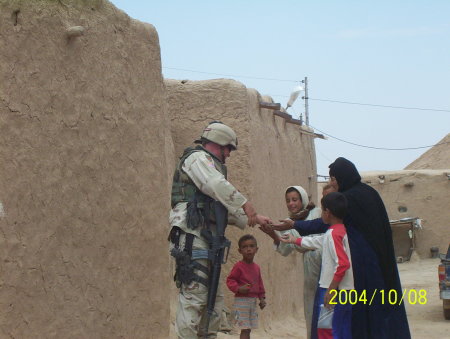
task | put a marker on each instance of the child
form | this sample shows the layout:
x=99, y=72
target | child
x=246, y=283
x=336, y=271
x=300, y=208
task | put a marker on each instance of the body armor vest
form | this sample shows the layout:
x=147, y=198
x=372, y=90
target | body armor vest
x=200, y=211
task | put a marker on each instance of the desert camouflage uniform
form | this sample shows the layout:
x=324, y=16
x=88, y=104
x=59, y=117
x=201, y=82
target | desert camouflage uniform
x=200, y=168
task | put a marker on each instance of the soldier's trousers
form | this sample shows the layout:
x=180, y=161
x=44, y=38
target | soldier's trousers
x=191, y=310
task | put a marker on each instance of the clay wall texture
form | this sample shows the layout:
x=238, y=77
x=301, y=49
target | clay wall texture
x=84, y=149
x=437, y=157
x=89, y=135
x=425, y=195
x=271, y=156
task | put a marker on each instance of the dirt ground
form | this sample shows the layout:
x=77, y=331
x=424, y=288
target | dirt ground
x=425, y=321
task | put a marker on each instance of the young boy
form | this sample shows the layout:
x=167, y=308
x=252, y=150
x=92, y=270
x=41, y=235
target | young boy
x=246, y=283
x=336, y=276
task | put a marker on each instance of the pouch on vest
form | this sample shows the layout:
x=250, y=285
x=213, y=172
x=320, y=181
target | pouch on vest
x=198, y=211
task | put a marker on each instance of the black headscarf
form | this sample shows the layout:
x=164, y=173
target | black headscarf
x=373, y=258
x=345, y=173
x=367, y=214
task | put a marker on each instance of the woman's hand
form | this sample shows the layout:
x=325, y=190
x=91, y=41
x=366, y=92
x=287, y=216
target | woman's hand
x=284, y=225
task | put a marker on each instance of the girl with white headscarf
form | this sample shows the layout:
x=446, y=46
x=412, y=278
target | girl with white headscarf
x=299, y=207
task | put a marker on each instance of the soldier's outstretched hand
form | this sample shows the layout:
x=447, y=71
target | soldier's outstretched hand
x=263, y=221
x=254, y=218
x=250, y=211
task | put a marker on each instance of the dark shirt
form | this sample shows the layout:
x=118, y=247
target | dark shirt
x=307, y=227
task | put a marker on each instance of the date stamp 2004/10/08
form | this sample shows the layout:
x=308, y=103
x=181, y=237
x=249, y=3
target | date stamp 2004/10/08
x=392, y=297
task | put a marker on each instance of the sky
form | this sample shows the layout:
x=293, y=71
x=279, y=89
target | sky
x=388, y=53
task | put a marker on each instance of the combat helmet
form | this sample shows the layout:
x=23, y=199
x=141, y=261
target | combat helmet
x=220, y=134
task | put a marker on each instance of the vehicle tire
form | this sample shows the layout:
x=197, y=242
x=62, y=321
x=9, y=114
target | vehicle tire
x=446, y=306
x=447, y=314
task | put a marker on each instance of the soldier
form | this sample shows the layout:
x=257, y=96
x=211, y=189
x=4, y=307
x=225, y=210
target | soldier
x=199, y=179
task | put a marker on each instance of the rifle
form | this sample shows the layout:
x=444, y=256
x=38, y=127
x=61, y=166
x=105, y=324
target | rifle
x=216, y=254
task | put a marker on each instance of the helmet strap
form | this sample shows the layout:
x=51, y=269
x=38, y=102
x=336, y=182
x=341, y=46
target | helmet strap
x=222, y=153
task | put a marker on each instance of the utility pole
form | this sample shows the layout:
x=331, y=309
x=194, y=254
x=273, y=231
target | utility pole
x=305, y=81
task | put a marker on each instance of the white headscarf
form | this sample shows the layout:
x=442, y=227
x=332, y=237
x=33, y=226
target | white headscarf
x=302, y=192
x=303, y=196
x=285, y=249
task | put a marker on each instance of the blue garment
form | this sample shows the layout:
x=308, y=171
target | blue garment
x=368, y=218
x=371, y=318
x=307, y=227
x=315, y=314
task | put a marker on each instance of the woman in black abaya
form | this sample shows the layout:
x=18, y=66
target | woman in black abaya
x=372, y=254
x=368, y=217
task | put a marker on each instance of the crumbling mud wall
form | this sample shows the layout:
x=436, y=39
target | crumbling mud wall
x=417, y=193
x=272, y=154
x=84, y=150
x=281, y=155
x=437, y=157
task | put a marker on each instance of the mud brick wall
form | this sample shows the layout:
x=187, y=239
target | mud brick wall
x=417, y=193
x=84, y=150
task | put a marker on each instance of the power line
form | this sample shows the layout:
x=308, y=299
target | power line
x=230, y=75
x=379, y=148
x=377, y=105
x=316, y=99
x=374, y=105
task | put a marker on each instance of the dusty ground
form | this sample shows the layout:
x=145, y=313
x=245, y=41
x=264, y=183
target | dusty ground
x=425, y=321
